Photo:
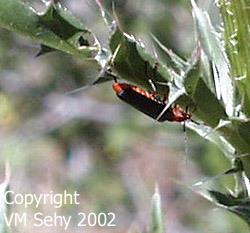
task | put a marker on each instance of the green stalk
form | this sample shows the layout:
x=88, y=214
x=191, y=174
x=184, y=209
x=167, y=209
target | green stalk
x=236, y=35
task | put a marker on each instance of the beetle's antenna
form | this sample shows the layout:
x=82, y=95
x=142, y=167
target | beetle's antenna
x=151, y=82
x=196, y=122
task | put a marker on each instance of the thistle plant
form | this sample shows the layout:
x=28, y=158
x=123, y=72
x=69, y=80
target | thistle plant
x=214, y=82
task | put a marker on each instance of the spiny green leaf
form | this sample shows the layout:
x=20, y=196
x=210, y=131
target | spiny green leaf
x=213, y=136
x=56, y=28
x=207, y=73
x=211, y=112
x=208, y=108
x=213, y=48
x=173, y=61
x=103, y=76
x=62, y=18
x=45, y=49
x=192, y=73
x=108, y=19
x=236, y=169
x=239, y=206
x=131, y=62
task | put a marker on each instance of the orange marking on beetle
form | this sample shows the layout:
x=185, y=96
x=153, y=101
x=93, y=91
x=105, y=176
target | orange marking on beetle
x=179, y=114
x=119, y=87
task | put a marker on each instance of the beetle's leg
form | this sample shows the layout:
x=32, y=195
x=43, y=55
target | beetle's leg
x=155, y=70
x=184, y=126
x=115, y=79
x=165, y=97
x=196, y=122
x=151, y=82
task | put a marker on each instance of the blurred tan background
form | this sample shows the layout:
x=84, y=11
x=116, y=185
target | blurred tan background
x=93, y=143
